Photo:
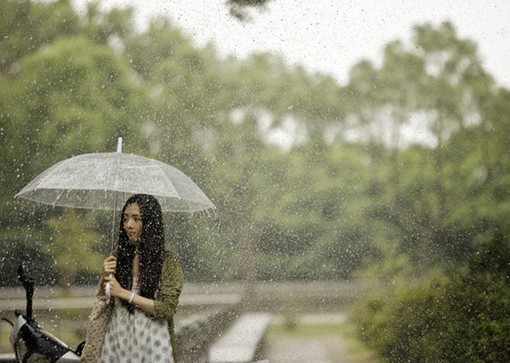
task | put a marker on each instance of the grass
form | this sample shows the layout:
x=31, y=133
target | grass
x=340, y=333
x=5, y=346
x=303, y=331
x=355, y=347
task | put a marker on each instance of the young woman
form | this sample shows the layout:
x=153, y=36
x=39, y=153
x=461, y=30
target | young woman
x=145, y=282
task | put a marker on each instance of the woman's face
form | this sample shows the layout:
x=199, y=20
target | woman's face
x=133, y=222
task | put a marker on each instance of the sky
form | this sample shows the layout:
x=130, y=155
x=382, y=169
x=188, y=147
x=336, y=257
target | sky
x=331, y=36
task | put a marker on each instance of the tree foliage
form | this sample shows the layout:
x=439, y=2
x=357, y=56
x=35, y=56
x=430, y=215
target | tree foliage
x=346, y=190
x=462, y=319
x=238, y=8
x=73, y=246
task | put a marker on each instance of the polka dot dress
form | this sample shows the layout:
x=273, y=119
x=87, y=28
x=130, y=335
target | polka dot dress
x=136, y=338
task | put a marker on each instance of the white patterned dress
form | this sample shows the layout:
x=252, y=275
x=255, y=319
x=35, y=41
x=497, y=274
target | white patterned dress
x=136, y=337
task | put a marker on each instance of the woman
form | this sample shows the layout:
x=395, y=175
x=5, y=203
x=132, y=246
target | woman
x=146, y=283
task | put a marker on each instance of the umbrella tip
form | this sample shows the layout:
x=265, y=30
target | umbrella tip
x=119, y=145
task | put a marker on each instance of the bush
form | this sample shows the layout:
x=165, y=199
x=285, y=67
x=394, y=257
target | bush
x=464, y=318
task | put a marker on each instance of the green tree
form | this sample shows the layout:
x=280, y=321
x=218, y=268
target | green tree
x=66, y=98
x=414, y=190
x=464, y=318
x=323, y=204
x=74, y=246
x=238, y=8
x=27, y=26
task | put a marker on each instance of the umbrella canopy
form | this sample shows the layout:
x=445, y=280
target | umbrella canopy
x=107, y=180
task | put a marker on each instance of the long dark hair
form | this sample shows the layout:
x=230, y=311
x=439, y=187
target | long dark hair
x=151, y=248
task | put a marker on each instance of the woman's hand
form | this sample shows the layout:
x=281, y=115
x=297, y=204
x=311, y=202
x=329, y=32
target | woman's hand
x=109, y=265
x=115, y=289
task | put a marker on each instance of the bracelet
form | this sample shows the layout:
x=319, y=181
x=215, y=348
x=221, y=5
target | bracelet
x=131, y=298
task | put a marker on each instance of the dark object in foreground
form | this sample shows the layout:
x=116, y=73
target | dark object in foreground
x=29, y=341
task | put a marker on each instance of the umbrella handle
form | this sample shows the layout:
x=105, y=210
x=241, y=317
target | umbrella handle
x=107, y=289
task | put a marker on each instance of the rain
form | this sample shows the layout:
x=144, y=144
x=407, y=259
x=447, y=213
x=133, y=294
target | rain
x=340, y=206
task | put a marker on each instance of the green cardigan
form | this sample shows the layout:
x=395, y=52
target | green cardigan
x=167, y=296
x=169, y=290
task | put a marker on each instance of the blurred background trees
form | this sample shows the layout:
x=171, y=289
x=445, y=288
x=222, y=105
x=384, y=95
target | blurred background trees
x=311, y=179
x=345, y=185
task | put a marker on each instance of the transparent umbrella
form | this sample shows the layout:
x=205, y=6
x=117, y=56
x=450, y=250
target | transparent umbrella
x=107, y=180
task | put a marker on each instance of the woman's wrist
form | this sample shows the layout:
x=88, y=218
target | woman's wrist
x=124, y=295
